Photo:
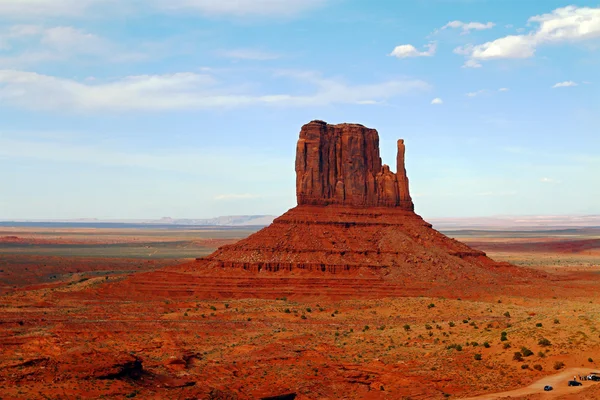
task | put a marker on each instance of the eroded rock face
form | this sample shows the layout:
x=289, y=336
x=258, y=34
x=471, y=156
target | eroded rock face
x=340, y=164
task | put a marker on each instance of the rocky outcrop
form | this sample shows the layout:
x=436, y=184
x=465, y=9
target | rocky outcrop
x=340, y=164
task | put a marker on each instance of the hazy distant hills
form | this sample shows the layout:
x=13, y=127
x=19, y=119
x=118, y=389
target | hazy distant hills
x=540, y=222
x=534, y=222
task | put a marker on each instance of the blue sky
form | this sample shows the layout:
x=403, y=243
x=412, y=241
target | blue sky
x=192, y=108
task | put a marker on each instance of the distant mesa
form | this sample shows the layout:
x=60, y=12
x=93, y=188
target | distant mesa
x=353, y=234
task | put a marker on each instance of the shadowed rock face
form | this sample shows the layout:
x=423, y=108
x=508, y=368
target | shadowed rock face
x=340, y=164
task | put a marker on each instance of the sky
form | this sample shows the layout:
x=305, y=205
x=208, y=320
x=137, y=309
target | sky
x=192, y=108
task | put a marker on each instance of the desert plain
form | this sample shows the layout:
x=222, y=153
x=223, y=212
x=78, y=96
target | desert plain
x=87, y=313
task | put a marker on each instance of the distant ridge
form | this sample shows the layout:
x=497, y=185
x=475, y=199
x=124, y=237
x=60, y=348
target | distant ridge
x=531, y=222
x=228, y=220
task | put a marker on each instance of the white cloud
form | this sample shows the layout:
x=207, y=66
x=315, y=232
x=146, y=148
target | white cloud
x=241, y=8
x=179, y=91
x=567, y=24
x=437, y=100
x=564, y=84
x=46, y=8
x=236, y=196
x=471, y=64
x=503, y=89
x=477, y=93
x=57, y=43
x=248, y=54
x=78, y=8
x=408, y=50
x=467, y=27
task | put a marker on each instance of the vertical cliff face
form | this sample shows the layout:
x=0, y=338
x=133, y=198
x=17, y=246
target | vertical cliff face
x=340, y=164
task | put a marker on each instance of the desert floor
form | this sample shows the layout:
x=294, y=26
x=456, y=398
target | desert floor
x=70, y=329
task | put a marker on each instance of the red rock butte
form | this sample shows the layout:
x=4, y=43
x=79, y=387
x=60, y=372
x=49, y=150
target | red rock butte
x=354, y=233
x=340, y=164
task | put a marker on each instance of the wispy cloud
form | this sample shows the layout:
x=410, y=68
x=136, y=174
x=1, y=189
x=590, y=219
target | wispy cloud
x=409, y=51
x=35, y=44
x=466, y=27
x=476, y=93
x=564, y=84
x=240, y=8
x=437, y=100
x=563, y=25
x=81, y=8
x=503, y=89
x=181, y=91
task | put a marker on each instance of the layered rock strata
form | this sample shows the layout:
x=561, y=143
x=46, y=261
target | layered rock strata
x=353, y=234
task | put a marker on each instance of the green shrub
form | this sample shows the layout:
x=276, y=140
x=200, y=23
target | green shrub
x=477, y=357
x=538, y=367
x=486, y=345
x=507, y=314
x=538, y=325
x=518, y=356
x=544, y=342
x=526, y=352
x=559, y=365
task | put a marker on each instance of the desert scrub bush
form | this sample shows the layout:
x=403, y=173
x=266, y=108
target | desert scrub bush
x=226, y=305
x=538, y=325
x=518, y=356
x=303, y=316
x=506, y=346
x=308, y=309
x=406, y=327
x=477, y=357
x=503, y=337
x=451, y=324
x=538, y=367
x=559, y=365
x=507, y=314
x=486, y=345
x=526, y=352
x=556, y=321
x=525, y=366
x=287, y=311
x=541, y=354
x=428, y=327
x=431, y=305
x=544, y=342
x=213, y=308
x=454, y=346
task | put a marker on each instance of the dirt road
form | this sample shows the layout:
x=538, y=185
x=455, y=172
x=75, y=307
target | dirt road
x=557, y=381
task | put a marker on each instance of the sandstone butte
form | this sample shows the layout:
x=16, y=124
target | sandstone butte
x=354, y=233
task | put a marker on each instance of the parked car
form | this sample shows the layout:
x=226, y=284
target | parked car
x=594, y=378
x=548, y=388
x=575, y=383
